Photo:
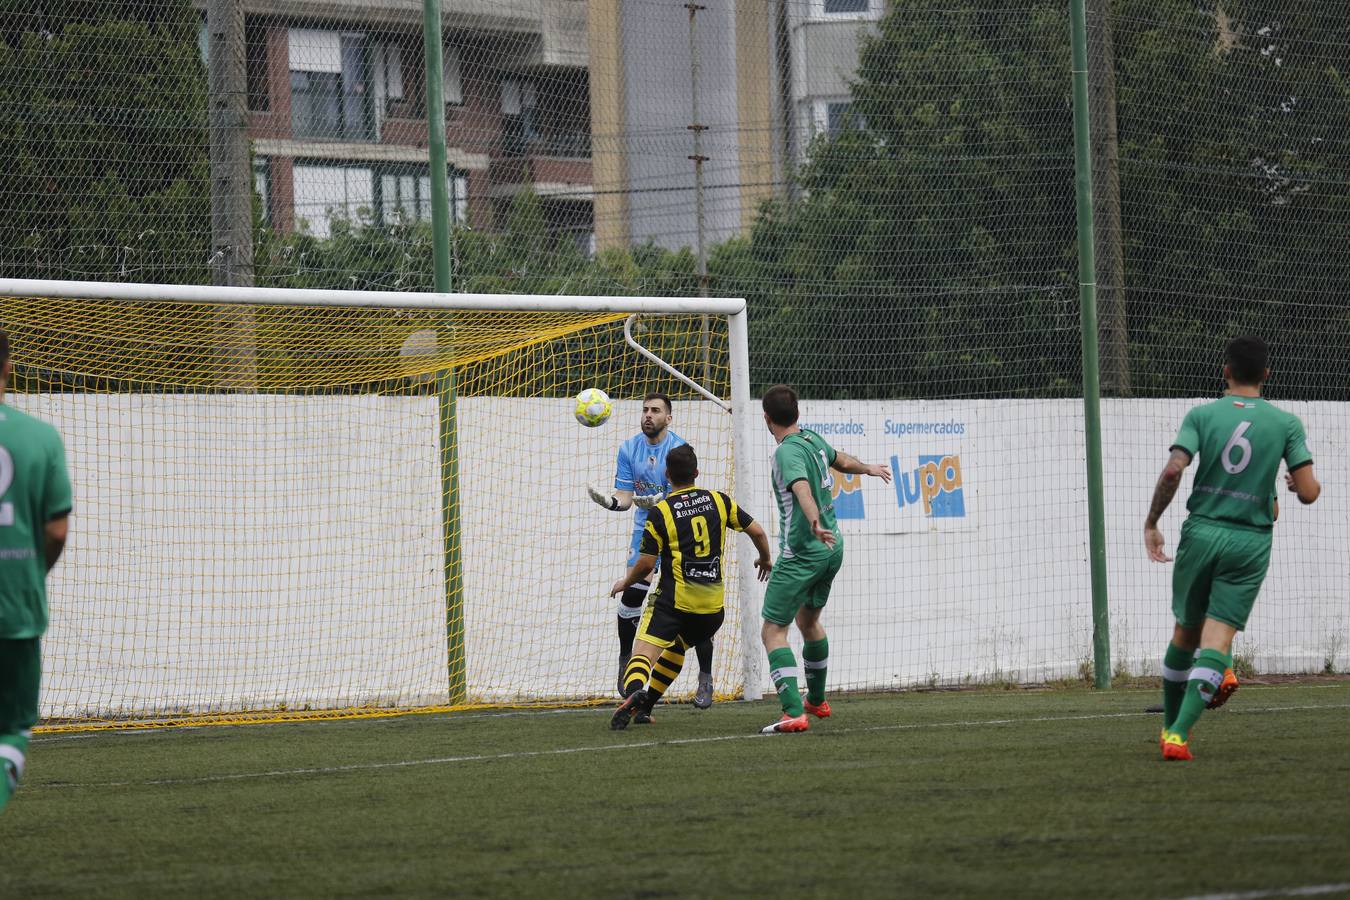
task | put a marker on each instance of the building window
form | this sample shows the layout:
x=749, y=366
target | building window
x=560, y=128
x=843, y=7
x=833, y=116
x=405, y=195
x=330, y=91
x=847, y=9
x=326, y=192
x=255, y=63
x=520, y=102
x=452, y=86
x=370, y=194
x=262, y=184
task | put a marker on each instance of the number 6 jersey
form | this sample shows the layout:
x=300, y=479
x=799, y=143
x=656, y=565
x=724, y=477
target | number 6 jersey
x=1239, y=442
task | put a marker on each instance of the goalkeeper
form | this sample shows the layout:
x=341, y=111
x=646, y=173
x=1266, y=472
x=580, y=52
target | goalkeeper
x=34, y=510
x=640, y=483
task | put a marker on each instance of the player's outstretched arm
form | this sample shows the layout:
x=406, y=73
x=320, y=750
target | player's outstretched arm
x=851, y=465
x=807, y=504
x=1163, y=492
x=617, y=501
x=1304, y=483
x=639, y=572
x=764, y=564
x=647, y=501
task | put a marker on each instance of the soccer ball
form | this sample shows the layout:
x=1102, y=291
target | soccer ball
x=593, y=407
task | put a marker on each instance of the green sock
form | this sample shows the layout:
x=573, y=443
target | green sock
x=783, y=669
x=1176, y=672
x=1206, y=676
x=815, y=658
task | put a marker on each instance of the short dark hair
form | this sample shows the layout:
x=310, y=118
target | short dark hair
x=780, y=403
x=682, y=465
x=4, y=347
x=657, y=395
x=1247, y=358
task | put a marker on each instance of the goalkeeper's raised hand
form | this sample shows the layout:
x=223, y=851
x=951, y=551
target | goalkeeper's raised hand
x=647, y=501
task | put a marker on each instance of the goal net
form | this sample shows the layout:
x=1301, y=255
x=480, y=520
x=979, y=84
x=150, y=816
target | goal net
x=296, y=508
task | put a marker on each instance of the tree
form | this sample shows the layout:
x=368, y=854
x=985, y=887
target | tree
x=103, y=133
x=929, y=254
x=1236, y=187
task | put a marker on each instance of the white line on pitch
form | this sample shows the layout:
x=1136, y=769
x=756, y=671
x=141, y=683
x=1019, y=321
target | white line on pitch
x=1311, y=890
x=604, y=748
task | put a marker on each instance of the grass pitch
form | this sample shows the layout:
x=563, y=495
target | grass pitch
x=1019, y=793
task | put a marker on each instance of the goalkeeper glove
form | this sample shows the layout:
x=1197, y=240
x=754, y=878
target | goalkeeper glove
x=647, y=501
x=607, y=501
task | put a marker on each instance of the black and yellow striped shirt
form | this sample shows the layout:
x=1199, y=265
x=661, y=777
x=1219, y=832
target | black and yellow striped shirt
x=688, y=531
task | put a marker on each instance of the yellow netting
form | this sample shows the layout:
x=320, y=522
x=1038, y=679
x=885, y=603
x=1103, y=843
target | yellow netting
x=292, y=512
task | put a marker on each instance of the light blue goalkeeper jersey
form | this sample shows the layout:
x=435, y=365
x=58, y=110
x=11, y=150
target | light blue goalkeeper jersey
x=642, y=470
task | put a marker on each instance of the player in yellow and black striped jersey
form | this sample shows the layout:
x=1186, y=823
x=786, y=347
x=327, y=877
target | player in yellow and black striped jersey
x=687, y=531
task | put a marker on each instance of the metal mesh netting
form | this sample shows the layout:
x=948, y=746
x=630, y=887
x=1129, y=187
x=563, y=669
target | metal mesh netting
x=889, y=184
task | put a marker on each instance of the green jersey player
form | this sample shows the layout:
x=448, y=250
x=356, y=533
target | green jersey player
x=810, y=552
x=34, y=506
x=1239, y=441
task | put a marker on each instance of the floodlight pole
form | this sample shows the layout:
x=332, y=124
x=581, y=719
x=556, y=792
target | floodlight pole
x=1087, y=301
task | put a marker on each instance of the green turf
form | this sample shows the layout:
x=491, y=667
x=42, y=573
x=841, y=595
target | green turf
x=916, y=794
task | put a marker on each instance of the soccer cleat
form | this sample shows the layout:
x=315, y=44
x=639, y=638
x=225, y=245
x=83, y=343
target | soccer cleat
x=787, y=725
x=1174, y=749
x=642, y=717
x=821, y=711
x=703, y=697
x=631, y=707
x=1226, y=689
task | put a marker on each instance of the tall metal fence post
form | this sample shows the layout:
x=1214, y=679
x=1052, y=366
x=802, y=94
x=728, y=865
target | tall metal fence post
x=1087, y=299
x=445, y=382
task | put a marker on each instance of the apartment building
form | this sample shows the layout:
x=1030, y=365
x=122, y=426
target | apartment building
x=820, y=54
x=772, y=74
x=338, y=116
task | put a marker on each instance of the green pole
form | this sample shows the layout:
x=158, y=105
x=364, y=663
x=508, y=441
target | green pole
x=1087, y=301
x=445, y=381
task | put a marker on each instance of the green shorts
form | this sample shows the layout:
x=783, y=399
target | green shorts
x=1218, y=573
x=798, y=581
x=20, y=676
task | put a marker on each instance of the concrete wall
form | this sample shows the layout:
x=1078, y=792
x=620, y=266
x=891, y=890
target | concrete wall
x=250, y=551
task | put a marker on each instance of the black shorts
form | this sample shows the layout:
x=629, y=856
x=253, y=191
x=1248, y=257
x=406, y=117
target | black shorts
x=663, y=625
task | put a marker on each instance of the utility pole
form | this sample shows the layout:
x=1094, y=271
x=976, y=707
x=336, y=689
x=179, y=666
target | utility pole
x=697, y=127
x=1106, y=196
x=231, y=189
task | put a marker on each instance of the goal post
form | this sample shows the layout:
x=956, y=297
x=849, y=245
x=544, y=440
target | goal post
x=290, y=541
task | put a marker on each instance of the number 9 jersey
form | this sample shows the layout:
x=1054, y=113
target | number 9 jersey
x=1239, y=442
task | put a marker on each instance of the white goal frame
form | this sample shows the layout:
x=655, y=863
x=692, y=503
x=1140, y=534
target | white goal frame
x=734, y=309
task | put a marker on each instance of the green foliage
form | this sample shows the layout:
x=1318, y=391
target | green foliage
x=104, y=106
x=1235, y=189
x=932, y=252
x=929, y=253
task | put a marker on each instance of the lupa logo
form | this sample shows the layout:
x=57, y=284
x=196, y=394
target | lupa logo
x=936, y=481
x=847, y=496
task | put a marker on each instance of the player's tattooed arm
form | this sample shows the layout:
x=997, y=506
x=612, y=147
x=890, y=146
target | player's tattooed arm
x=1163, y=492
